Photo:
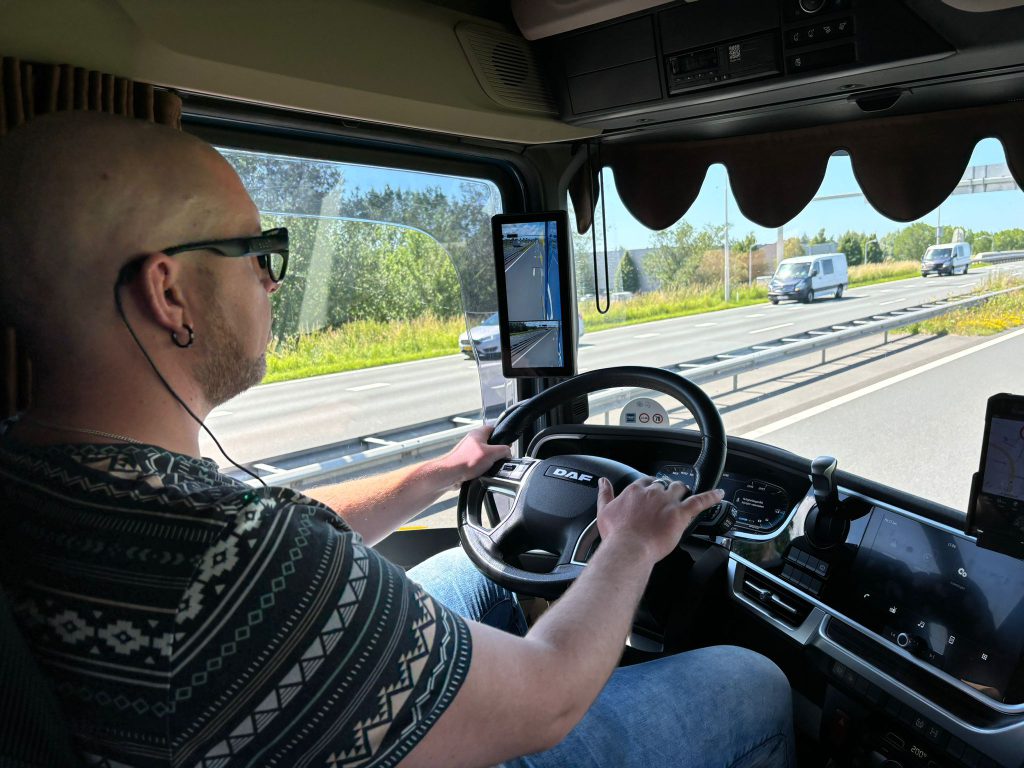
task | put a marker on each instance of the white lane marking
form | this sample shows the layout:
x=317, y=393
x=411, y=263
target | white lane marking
x=646, y=335
x=757, y=434
x=770, y=328
x=364, y=387
x=756, y=314
x=704, y=325
x=891, y=301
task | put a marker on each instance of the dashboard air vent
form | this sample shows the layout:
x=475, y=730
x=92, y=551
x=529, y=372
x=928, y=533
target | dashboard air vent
x=781, y=603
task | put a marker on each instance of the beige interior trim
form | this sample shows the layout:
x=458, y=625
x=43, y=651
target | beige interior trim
x=348, y=58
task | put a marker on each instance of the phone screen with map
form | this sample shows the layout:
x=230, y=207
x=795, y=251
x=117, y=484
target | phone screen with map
x=996, y=514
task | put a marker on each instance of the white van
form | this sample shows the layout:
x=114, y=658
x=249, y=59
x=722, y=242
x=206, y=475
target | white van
x=946, y=259
x=806, y=278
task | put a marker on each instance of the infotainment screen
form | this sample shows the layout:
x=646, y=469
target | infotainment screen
x=535, y=310
x=957, y=606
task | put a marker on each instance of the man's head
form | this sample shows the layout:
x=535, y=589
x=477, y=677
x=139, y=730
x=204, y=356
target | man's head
x=84, y=194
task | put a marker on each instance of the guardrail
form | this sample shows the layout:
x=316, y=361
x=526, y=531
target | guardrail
x=998, y=257
x=699, y=371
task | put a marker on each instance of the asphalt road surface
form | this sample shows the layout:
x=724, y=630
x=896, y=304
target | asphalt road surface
x=524, y=283
x=536, y=349
x=276, y=419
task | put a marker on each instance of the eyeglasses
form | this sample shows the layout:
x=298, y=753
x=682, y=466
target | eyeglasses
x=270, y=249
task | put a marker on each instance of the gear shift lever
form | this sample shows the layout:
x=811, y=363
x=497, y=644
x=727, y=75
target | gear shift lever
x=826, y=494
x=825, y=525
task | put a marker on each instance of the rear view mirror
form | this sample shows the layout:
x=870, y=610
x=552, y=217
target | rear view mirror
x=814, y=272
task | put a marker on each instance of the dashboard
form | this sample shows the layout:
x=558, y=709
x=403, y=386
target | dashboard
x=914, y=632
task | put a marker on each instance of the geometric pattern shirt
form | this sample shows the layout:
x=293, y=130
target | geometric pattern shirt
x=185, y=618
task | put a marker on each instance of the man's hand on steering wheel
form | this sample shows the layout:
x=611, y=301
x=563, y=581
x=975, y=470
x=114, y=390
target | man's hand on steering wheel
x=650, y=512
x=473, y=456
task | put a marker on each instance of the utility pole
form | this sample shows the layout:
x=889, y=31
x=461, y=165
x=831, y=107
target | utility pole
x=726, y=250
x=780, y=246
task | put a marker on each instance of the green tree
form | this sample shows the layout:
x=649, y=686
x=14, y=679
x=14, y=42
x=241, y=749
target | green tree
x=820, y=238
x=583, y=255
x=873, y=252
x=911, y=242
x=850, y=244
x=628, y=277
x=793, y=246
x=678, y=255
x=1008, y=240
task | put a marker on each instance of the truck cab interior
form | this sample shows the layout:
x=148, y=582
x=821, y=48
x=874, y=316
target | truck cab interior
x=901, y=632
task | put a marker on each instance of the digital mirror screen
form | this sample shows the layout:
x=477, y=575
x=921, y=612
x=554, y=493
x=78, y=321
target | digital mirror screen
x=534, y=310
x=961, y=607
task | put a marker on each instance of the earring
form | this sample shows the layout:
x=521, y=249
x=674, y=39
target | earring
x=187, y=344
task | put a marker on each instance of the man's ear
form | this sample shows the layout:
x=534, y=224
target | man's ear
x=162, y=291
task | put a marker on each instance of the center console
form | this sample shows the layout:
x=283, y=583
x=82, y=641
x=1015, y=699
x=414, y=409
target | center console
x=918, y=632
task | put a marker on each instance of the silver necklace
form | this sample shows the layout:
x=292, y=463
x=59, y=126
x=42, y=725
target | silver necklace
x=97, y=432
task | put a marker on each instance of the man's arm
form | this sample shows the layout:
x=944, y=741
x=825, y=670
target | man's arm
x=524, y=694
x=375, y=506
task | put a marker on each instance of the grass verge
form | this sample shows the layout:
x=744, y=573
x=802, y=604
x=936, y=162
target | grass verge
x=994, y=316
x=362, y=344
x=870, y=274
x=663, y=305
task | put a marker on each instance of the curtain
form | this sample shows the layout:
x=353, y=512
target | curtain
x=30, y=89
x=906, y=165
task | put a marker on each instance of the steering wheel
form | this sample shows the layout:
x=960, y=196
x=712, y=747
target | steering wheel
x=554, y=501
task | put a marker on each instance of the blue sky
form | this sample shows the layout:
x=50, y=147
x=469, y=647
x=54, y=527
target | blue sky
x=990, y=211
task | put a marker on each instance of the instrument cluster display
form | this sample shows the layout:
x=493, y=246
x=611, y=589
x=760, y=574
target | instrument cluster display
x=762, y=506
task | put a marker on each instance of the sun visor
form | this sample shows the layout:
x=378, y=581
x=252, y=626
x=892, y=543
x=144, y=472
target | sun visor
x=906, y=166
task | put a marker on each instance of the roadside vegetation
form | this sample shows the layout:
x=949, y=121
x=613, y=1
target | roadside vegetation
x=362, y=344
x=994, y=316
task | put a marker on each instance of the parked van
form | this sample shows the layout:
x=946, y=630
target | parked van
x=806, y=278
x=946, y=259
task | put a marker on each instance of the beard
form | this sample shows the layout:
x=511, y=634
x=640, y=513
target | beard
x=225, y=368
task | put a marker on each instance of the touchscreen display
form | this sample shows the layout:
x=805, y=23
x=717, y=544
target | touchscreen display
x=962, y=607
x=533, y=308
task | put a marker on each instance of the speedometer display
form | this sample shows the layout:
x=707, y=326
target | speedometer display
x=762, y=506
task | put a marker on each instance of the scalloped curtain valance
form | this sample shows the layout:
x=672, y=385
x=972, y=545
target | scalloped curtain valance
x=28, y=90
x=906, y=166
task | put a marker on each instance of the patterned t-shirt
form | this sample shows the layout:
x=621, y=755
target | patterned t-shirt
x=187, y=619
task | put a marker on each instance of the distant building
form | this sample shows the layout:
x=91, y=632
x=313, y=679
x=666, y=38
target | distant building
x=830, y=247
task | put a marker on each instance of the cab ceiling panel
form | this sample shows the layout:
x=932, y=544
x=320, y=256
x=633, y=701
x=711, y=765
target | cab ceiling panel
x=688, y=58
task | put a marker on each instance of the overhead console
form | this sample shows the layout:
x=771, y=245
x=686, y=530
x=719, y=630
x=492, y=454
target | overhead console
x=650, y=66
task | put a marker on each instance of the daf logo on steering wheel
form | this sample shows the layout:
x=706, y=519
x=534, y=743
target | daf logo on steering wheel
x=566, y=473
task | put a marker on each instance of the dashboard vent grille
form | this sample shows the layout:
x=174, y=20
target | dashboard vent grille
x=506, y=68
x=782, y=604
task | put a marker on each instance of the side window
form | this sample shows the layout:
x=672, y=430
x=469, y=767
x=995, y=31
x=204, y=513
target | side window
x=390, y=270
x=826, y=265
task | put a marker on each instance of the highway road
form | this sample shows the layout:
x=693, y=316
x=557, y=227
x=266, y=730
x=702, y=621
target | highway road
x=275, y=419
x=919, y=430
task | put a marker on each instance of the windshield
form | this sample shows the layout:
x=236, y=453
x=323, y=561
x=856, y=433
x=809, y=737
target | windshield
x=938, y=253
x=793, y=270
x=903, y=405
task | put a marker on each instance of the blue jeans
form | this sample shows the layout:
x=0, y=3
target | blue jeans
x=719, y=706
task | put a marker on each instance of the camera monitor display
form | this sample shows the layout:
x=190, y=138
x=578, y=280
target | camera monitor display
x=535, y=309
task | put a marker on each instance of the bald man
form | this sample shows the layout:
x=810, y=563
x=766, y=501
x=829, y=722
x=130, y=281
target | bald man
x=188, y=619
